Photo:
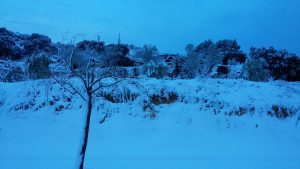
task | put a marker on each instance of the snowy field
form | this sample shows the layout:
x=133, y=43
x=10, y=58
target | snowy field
x=41, y=126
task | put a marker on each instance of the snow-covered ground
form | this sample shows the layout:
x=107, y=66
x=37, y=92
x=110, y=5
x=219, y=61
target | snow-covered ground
x=196, y=131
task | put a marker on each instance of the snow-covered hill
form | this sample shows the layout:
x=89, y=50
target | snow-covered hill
x=159, y=124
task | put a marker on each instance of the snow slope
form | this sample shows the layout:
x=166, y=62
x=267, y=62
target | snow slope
x=194, y=132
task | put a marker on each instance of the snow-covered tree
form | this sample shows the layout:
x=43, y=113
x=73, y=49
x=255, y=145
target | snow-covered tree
x=38, y=67
x=207, y=55
x=148, y=53
x=191, y=65
x=93, y=77
x=281, y=64
x=256, y=70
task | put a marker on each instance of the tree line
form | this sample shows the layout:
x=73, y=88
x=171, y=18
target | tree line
x=221, y=59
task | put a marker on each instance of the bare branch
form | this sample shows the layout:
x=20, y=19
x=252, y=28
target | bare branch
x=100, y=79
x=63, y=83
x=103, y=86
x=88, y=68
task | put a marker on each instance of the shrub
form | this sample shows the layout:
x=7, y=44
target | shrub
x=148, y=69
x=38, y=67
x=241, y=111
x=24, y=105
x=155, y=70
x=118, y=96
x=148, y=107
x=14, y=75
x=160, y=71
x=280, y=112
x=256, y=70
x=163, y=98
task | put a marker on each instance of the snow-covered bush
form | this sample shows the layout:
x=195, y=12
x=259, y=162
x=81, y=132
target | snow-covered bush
x=154, y=70
x=38, y=67
x=12, y=71
x=160, y=71
x=148, y=69
x=15, y=74
x=150, y=109
x=256, y=70
x=164, y=97
x=119, y=94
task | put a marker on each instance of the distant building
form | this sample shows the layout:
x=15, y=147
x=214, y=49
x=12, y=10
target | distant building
x=169, y=58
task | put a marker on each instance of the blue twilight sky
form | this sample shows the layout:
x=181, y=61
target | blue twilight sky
x=169, y=24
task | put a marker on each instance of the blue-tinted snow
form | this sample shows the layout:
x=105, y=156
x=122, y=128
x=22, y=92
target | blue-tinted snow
x=185, y=134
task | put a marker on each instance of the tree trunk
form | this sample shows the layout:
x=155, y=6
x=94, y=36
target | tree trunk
x=86, y=131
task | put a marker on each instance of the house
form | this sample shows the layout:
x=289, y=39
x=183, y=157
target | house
x=169, y=58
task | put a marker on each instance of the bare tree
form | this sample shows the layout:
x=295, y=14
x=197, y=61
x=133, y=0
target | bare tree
x=85, y=66
x=149, y=53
